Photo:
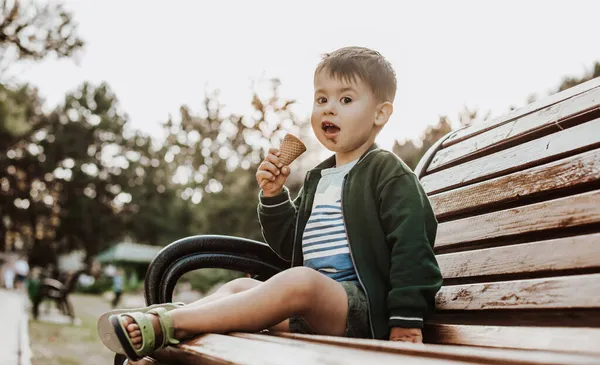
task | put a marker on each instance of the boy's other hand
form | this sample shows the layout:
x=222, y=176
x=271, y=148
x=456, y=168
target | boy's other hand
x=414, y=335
x=271, y=174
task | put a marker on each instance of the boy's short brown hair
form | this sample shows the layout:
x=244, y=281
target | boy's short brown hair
x=350, y=63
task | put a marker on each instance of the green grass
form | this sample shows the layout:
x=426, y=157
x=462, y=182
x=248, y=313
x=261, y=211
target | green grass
x=65, y=344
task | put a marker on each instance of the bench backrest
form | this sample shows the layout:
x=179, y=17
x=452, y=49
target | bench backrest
x=518, y=201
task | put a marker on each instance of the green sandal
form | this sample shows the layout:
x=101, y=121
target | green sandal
x=149, y=344
x=106, y=330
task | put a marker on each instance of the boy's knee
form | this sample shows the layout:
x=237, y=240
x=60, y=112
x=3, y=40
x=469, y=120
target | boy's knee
x=241, y=284
x=303, y=284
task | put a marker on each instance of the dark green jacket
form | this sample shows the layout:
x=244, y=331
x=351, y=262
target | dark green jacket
x=391, y=230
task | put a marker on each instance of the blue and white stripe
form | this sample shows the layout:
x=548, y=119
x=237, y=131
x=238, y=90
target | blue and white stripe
x=324, y=242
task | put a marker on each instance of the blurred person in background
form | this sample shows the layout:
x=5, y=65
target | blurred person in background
x=33, y=290
x=21, y=270
x=117, y=287
x=8, y=273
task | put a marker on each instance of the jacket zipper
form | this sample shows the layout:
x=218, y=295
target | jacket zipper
x=354, y=263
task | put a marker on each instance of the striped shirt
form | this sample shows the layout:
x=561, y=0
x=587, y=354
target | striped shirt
x=324, y=241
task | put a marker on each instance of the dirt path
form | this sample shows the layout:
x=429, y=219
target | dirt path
x=14, y=348
x=55, y=341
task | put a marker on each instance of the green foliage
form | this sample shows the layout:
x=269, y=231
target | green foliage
x=14, y=112
x=410, y=153
x=569, y=82
x=63, y=187
x=19, y=109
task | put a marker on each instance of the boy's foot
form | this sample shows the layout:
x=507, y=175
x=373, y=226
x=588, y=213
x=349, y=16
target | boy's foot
x=133, y=329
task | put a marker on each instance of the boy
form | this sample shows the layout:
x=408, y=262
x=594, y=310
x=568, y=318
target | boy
x=359, y=236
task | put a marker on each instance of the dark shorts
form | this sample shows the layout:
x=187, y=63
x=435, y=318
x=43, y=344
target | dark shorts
x=357, y=323
x=20, y=278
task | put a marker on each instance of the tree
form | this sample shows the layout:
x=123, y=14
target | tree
x=64, y=184
x=569, y=82
x=28, y=31
x=157, y=214
x=32, y=31
x=411, y=153
x=216, y=153
x=78, y=179
x=19, y=112
x=88, y=157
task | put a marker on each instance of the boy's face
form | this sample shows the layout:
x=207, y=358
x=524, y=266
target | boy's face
x=343, y=116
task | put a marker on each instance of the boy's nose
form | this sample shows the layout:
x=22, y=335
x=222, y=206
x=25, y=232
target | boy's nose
x=329, y=109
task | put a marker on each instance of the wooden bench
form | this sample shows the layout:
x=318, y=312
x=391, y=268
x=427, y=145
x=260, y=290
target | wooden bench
x=518, y=201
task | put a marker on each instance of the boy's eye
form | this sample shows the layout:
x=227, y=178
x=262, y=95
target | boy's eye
x=346, y=100
x=321, y=100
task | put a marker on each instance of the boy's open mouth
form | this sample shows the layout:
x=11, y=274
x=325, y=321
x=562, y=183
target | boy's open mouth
x=330, y=129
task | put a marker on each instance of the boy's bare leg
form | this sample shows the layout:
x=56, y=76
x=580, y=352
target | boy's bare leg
x=232, y=287
x=298, y=291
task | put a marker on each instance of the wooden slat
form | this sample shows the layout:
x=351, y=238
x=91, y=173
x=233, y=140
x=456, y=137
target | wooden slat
x=402, y=352
x=578, y=291
x=577, y=252
x=235, y=350
x=551, y=147
x=583, y=340
x=562, y=174
x=517, y=129
x=532, y=107
x=482, y=354
x=561, y=317
x=565, y=212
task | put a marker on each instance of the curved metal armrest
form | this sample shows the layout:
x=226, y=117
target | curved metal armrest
x=207, y=251
x=426, y=159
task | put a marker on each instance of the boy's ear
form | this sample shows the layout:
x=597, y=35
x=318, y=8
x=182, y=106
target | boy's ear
x=383, y=113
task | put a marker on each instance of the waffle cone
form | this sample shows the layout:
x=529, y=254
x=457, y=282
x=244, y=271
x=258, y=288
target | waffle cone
x=291, y=148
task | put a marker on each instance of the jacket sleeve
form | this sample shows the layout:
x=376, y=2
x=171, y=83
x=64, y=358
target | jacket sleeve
x=277, y=217
x=410, y=227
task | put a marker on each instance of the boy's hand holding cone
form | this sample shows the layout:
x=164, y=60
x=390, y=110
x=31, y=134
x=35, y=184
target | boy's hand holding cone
x=274, y=170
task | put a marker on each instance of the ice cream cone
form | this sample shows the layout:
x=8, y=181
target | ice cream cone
x=291, y=148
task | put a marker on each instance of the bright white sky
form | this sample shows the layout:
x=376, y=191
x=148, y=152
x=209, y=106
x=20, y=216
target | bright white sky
x=158, y=55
